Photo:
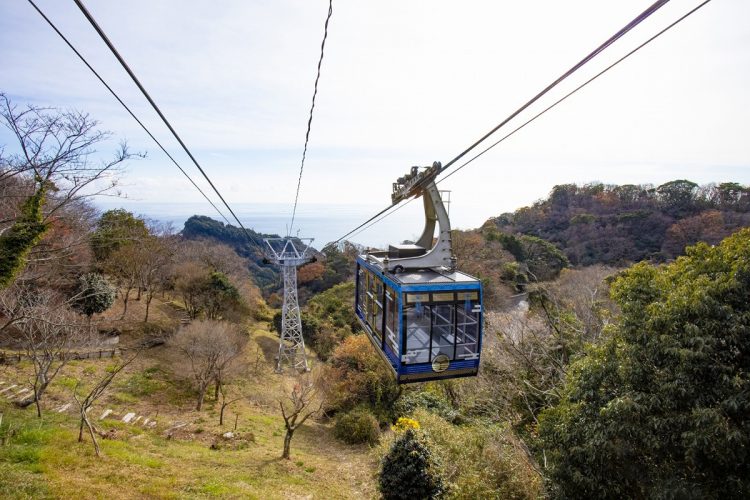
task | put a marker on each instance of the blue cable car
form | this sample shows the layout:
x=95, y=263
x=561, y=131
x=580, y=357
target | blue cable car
x=422, y=315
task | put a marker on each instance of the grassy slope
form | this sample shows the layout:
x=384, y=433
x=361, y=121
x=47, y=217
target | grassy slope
x=43, y=458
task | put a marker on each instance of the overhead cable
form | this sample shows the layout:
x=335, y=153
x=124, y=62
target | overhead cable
x=312, y=108
x=640, y=18
x=632, y=24
x=83, y=59
x=559, y=101
x=125, y=66
x=584, y=84
x=527, y=122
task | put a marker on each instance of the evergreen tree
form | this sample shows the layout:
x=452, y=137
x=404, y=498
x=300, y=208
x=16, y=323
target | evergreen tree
x=17, y=242
x=662, y=408
x=95, y=294
x=408, y=470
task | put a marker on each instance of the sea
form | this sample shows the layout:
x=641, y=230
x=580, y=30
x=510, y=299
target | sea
x=322, y=222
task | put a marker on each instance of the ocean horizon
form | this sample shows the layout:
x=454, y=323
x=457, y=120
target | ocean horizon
x=323, y=222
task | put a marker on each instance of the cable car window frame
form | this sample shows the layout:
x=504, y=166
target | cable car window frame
x=470, y=324
x=472, y=318
x=378, y=315
x=390, y=333
x=361, y=290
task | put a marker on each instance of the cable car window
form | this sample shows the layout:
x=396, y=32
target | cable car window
x=361, y=288
x=417, y=329
x=467, y=327
x=471, y=295
x=391, y=320
x=443, y=334
x=413, y=298
x=377, y=310
x=443, y=297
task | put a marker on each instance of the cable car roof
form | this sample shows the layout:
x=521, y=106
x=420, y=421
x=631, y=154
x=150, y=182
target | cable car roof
x=423, y=276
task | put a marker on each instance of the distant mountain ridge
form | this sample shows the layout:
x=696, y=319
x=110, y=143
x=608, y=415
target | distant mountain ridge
x=612, y=224
x=248, y=245
x=267, y=276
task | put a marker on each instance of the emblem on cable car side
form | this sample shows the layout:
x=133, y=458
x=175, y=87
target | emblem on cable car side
x=440, y=363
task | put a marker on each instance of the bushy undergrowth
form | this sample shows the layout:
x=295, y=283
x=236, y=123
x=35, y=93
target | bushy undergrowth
x=359, y=378
x=477, y=460
x=411, y=401
x=357, y=427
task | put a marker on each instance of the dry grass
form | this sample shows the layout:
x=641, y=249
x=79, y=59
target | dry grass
x=42, y=458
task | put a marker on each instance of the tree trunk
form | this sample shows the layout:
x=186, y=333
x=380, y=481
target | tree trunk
x=91, y=432
x=201, y=395
x=38, y=407
x=80, y=427
x=38, y=391
x=149, y=296
x=125, y=299
x=216, y=390
x=221, y=413
x=287, y=443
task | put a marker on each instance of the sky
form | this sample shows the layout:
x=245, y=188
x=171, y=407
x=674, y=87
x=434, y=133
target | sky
x=404, y=82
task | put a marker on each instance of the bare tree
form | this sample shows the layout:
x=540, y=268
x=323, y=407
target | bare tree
x=157, y=253
x=228, y=397
x=123, y=264
x=209, y=348
x=16, y=303
x=47, y=334
x=584, y=295
x=189, y=285
x=298, y=407
x=52, y=167
x=95, y=393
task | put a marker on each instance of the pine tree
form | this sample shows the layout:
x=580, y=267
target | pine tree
x=408, y=470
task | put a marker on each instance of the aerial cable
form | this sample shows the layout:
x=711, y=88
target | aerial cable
x=584, y=84
x=609, y=42
x=312, y=108
x=527, y=122
x=125, y=66
x=632, y=24
x=126, y=107
x=396, y=208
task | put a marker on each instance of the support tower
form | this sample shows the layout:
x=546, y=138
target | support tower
x=290, y=253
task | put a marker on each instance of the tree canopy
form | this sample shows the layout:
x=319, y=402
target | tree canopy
x=609, y=224
x=662, y=407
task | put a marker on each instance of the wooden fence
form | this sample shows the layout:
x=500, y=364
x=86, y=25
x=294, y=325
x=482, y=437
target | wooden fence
x=12, y=357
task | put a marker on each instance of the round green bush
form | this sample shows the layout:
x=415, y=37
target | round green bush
x=409, y=470
x=356, y=427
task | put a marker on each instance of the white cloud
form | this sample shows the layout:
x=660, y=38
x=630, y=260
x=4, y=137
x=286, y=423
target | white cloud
x=403, y=83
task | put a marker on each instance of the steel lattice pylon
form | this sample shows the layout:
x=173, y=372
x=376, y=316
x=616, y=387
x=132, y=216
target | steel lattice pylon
x=289, y=253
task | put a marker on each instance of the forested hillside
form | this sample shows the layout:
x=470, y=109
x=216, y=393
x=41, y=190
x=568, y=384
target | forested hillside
x=331, y=267
x=615, y=225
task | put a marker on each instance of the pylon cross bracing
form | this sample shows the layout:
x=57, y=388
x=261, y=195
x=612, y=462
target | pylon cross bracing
x=290, y=253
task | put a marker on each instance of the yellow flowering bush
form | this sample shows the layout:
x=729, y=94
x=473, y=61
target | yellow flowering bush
x=405, y=423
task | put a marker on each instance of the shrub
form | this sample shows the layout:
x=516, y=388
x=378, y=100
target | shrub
x=409, y=470
x=480, y=460
x=356, y=427
x=403, y=424
x=94, y=295
x=358, y=377
x=409, y=402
